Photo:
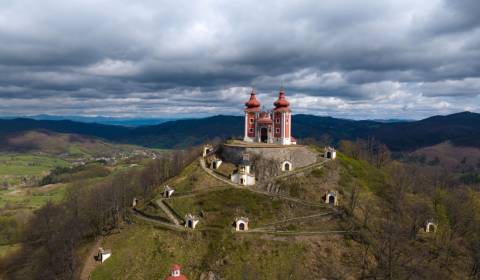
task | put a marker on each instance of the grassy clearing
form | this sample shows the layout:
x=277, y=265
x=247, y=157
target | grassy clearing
x=28, y=165
x=31, y=198
x=221, y=207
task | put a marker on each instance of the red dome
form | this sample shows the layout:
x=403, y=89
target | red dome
x=264, y=118
x=253, y=103
x=176, y=267
x=281, y=101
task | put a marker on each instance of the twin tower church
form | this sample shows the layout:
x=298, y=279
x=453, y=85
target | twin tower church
x=274, y=126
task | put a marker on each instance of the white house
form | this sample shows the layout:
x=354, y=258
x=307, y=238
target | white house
x=287, y=166
x=431, y=226
x=242, y=175
x=241, y=224
x=191, y=221
x=331, y=198
x=206, y=150
x=216, y=162
x=167, y=191
x=330, y=153
x=103, y=254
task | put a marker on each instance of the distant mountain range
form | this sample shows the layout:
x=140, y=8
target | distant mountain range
x=100, y=120
x=460, y=128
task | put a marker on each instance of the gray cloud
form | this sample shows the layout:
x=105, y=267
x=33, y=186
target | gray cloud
x=359, y=59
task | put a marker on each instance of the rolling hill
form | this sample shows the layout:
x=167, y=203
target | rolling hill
x=460, y=129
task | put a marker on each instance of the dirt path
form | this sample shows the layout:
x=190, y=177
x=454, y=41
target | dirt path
x=160, y=223
x=90, y=262
x=167, y=211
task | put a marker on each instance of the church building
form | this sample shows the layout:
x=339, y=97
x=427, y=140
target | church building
x=262, y=126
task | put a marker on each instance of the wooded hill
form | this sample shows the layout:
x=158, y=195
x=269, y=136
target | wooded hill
x=460, y=129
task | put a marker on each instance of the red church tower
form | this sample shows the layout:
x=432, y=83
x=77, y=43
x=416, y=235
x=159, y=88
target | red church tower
x=272, y=127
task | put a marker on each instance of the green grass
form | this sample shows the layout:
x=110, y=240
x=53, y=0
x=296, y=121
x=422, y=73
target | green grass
x=30, y=198
x=361, y=173
x=221, y=207
x=143, y=252
x=28, y=165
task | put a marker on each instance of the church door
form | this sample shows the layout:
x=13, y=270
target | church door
x=190, y=224
x=287, y=166
x=241, y=226
x=331, y=200
x=264, y=135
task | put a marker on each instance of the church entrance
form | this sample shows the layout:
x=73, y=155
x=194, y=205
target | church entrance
x=241, y=226
x=190, y=224
x=331, y=200
x=431, y=228
x=287, y=166
x=264, y=135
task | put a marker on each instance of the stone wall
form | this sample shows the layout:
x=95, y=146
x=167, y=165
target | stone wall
x=299, y=156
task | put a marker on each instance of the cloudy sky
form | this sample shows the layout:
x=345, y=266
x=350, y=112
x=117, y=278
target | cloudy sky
x=354, y=59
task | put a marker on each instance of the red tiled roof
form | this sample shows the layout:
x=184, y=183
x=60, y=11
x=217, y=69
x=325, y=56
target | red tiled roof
x=281, y=102
x=252, y=103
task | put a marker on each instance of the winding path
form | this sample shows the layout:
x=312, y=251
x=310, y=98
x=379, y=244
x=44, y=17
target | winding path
x=167, y=211
x=144, y=217
x=90, y=263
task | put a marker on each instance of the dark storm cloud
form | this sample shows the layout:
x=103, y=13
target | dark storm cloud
x=346, y=58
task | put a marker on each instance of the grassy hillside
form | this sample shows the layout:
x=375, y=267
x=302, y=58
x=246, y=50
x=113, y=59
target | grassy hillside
x=292, y=253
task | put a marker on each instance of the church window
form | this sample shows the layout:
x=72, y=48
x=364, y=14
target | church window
x=277, y=120
x=251, y=130
x=251, y=120
x=277, y=130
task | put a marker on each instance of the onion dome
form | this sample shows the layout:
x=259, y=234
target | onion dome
x=253, y=104
x=264, y=118
x=281, y=102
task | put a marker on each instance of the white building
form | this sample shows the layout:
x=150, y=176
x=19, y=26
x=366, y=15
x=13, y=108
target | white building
x=103, y=254
x=206, y=150
x=331, y=198
x=167, y=191
x=216, y=162
x=242, y=175
x=330, y=152
x=431, y=226
x=241, y=224
x=287, y=166
x=191, y=221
